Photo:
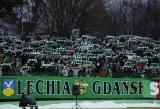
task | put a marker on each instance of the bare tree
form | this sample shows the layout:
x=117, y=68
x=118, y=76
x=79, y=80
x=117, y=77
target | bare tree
x=61, y=16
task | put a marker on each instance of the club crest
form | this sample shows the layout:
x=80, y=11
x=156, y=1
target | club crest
x=8, y=87
x=83, y=86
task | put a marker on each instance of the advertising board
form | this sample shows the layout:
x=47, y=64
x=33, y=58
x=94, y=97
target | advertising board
x=12, y=87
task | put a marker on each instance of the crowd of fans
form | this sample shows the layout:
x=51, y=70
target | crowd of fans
x=116, y=56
